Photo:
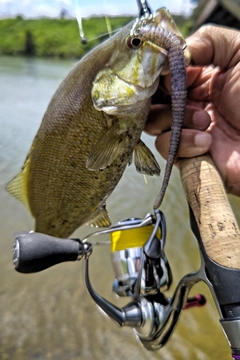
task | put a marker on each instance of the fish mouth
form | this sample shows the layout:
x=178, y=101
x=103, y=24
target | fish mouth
x=127, y=99
x=157, y=47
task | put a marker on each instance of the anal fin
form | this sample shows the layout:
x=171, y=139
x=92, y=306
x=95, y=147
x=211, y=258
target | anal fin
x=145, y=161
x=100, y=218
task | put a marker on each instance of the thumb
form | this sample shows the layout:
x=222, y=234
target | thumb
x=215, y=45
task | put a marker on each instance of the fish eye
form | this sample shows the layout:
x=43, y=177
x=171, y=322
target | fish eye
x=134, y=42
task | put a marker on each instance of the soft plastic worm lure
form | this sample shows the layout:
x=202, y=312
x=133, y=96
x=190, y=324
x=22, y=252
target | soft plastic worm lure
x=172, y=46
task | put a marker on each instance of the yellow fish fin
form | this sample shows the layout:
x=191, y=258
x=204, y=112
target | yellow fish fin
x=144, y=160
x=105, y=151
x=18, y=186
x=100, y=217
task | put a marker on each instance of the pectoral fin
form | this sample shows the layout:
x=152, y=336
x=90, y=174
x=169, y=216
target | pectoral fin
x=145, y=161
x=105, y=150
x=100, y=218
x=18, y=186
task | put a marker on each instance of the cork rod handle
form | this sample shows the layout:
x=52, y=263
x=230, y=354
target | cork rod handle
x=208, y=200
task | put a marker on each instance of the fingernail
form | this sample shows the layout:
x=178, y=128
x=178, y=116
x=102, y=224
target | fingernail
x=203, y=140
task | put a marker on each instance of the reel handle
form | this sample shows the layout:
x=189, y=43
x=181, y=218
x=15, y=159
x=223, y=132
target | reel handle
x=33, y=252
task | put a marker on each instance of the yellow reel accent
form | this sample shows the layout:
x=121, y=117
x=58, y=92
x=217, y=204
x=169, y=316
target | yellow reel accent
x=126, y=239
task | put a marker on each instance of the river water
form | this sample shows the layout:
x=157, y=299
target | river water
x=49, y=315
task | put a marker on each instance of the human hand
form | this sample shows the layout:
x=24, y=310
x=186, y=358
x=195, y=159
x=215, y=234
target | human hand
x=212, y=120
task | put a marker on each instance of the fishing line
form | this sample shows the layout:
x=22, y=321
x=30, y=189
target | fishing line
x=79, y=21
x=80, y=26
x=107, y=20
x=103, y=35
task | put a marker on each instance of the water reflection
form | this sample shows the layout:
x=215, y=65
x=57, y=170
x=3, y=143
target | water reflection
x=49, y=315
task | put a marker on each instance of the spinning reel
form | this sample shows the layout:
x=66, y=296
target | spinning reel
x=142, y=273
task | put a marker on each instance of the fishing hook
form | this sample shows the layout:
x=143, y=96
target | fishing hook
x=144, y=8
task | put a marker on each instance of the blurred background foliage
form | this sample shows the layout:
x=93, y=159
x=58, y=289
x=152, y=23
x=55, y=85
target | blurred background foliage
x=48, y=37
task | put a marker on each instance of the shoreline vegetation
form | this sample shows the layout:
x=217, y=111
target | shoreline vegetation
x=59, y=38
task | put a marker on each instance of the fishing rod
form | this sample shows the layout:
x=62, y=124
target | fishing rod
x=142, y=272
x=216, y=229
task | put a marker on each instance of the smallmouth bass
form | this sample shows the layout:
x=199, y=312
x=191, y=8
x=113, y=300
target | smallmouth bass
x=91, y=130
